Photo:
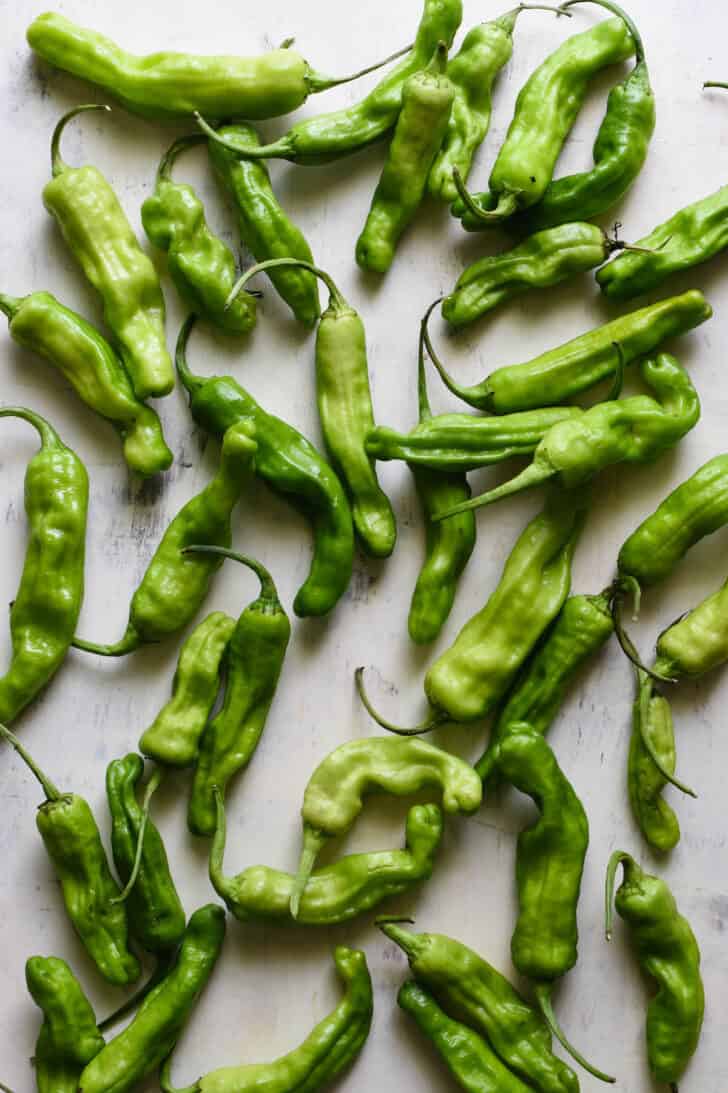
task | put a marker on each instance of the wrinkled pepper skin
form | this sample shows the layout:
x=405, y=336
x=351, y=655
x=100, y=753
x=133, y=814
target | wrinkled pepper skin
x=668, y=952
x=100, y=237
x=46, y=607
x=331, y=1047
x=155, y=913
x=293, y=468
x=264, y=226
x=469, y=1058
x=144, y=1044
x=698, y=641
x=68, y=1037
x=201, y=265
x=651, y=716
x=83, y=357
x=427, y=99
x=254, y=661
x=557, y=375
x=337, y=893
x=174, y=585
x=472, y=991
x=173, y=737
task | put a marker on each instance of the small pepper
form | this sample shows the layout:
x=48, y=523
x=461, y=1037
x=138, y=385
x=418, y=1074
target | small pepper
x=334, y=795
x=46, y=607
x=100, y=238
x=254, y=660
x=69, y=1037
x=697, y=642
x=667, y=950
x=652, y=722
x=201, y=265
x=174, y=585
x=173, y=737
x=71, y=837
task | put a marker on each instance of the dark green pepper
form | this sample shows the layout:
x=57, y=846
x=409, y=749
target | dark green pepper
x=69, y=1037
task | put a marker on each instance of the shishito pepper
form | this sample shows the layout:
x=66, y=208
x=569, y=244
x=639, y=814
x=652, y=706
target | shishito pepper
x=69, y=1037
x=652, y=735
x=100, y=238
x=46, y=607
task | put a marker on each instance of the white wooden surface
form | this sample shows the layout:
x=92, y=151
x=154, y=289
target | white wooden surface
x=272, y=984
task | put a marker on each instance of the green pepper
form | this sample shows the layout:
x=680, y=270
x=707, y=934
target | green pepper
x=69, y=1037
x=652, y=734
x=150, y=1037
x=334, y=795
x=83, y=357
x=327, y=137
x=345, y=409
x=201, y=265
x=331, y=1047
x=667, y=950
x=155, y=913
x=472, y=991
x=427, y=99
x=697, y=642
x=99, y=236
x=71, y=837
x=338, y=892
x=254, y=660
x=174, y=585
x=173, y=737
x=293, y=468
x=46, y=607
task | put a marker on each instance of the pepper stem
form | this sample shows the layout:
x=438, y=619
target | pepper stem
x=159, y=973
x=428, y=725
x=408, y=942
x=317, y=81
x=313, y=841
x=58, y=165
x=336, y=300
x=507, y=21
x=507, y=203
x=626, y=644
x=639, y=48
x=127, y=644
x=165, y=1079
x=268, y=590
x=217, y=850
x=423, y=399
x=644, y=695
x=715, y=83
x=46, y=432
x=51, y=791
x=152, y=786
x=9, y=305
x=532, y=476
x=168, y=159
x=619, y=857
x=455, y=388
x=543, y=996
x=191, y=383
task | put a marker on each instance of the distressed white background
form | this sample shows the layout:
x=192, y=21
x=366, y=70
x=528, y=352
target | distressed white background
x=272, y=983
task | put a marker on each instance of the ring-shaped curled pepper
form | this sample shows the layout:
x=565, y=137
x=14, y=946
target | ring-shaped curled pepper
x=549, y=864
x=331, y=1047
x=474, y=992
x=558, y=374
x=201, y=266
x=173, y=738
x=345, y=408
x=630, y=430
x=334, y=795
x=427, y=99
x=153, y=1032
x=68, y=1037
x=292, y=467
x=337, y=893
x=46, y=607
x=327, y=137
x=652, y=721
x=253, y=662
x=666, y=949
x=83, y=357
x=174, y=584
x=73, y=843
x=100, y=237
x=470, y=678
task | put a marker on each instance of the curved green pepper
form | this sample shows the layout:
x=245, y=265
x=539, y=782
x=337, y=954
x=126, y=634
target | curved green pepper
x=69, y=1037
x=652, y=722
x=697, y=642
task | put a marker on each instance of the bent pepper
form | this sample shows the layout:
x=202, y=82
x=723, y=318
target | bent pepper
x=69, y=1037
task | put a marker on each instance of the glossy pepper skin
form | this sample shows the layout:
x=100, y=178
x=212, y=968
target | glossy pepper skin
x=140, y=1048
x=173, y=737
x=427, y=99
x=293, y=468
x=330, y=136
x=155, y=913
x=174, y=584
x=83, y=357
x=201, y=265
x=469, y=1058
x=331, y=1047
x=254, y=661
x=472, y=991
x=652, y=717
x=99, y=236
x=698, y=641
x=337, y=893
x=558, y=374
x=667, y=951
x=46, y=607
x=334, y=795
x=68, y=1037
x=264, y=226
